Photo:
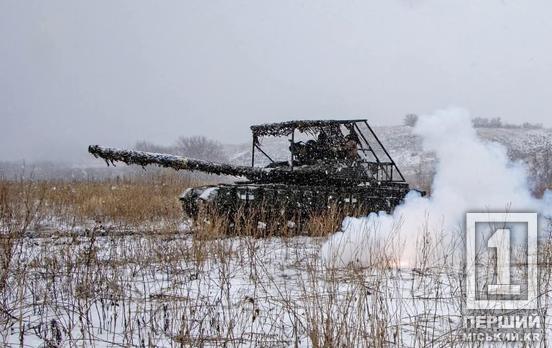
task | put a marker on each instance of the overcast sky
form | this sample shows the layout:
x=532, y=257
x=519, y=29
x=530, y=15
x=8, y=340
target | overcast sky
x=74, y=73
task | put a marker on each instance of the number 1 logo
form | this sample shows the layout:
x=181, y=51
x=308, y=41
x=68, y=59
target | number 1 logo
x=500, y=240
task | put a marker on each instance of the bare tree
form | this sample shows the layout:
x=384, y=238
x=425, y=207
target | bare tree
x=410, y=120
x=143, y=145
x=200, y=147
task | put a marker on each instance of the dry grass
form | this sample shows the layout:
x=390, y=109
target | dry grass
x=262, y=222
x=144, y=199
x=206, y=289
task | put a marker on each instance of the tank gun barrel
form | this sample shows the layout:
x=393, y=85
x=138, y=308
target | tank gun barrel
x=111, y=155
x=326, y=175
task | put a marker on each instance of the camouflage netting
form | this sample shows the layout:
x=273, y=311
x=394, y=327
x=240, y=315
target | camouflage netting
x=305, y=126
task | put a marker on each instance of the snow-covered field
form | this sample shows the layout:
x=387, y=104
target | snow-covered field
x=172, y=290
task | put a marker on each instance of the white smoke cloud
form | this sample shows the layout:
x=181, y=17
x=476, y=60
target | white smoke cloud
x=471, y=175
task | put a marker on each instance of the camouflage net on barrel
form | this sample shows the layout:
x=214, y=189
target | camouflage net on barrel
x=111, y=155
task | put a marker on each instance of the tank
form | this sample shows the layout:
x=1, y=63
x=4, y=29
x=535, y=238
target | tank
x=324, y=164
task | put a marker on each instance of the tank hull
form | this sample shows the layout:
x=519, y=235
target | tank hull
x=292, y=201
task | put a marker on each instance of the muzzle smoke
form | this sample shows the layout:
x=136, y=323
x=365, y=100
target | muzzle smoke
x=471, y=175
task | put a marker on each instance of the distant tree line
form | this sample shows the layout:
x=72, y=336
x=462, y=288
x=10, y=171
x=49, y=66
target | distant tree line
x=198, y=147
x=410, y=120
x=496, y=122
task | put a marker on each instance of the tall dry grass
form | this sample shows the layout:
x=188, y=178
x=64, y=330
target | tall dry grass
x=131, y=202
x=208, y=289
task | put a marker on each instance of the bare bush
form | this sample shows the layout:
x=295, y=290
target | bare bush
x=151, y=147
x=410, y=120
x=201, y=148
x=198, y=147
x=541, y=165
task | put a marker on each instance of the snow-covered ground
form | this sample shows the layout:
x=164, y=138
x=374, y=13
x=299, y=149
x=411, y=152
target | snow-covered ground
x=171, y=291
